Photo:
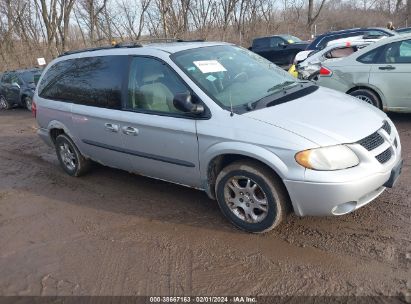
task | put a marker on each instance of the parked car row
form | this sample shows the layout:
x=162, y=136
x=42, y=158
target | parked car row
x=282, y=49
x=17, y=88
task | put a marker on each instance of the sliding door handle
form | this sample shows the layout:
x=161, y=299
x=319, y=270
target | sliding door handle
x=111, y=127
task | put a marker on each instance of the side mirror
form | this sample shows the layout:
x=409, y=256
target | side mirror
x=283, y=44
x=183, y=102
x=15, y=84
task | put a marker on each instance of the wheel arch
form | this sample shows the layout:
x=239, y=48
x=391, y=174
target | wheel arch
x=220, y=156
x=55, y=128
x=377, y=92
x=221, y=161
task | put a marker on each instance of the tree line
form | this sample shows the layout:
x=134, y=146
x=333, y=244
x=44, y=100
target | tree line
x=45, y=28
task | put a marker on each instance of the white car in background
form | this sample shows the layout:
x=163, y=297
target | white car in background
x=307, y=63
x=378, y=74
x=310, y=67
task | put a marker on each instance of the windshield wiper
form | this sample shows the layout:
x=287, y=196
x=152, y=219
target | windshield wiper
x=262, y=102
x=282, y=85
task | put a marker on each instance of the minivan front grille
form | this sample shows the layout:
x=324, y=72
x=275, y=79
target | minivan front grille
x=372, y=141
x=384, y=156
x=377, y=139
x=386, y=126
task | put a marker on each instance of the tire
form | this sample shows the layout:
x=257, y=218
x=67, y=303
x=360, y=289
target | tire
x=4, y=104
x=70, y=157
x=367, y=96
x=268, y=188
x=27, y=102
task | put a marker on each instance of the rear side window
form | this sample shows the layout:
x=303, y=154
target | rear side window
x=261, y=43
x=340, y=52
x=398, y=52
x=92, y=81
x=370, y=57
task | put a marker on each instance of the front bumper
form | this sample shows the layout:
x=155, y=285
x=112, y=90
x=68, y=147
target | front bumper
x=339, y=192
x=324, y=199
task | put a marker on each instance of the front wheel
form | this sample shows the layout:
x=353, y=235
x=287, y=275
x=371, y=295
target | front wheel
x=251, y=196
x=27, y=101
x=70, y=157
x=4, y=104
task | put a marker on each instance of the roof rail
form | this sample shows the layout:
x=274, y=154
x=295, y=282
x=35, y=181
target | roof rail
x=132, y=44
x=119, y=45
x=168, y=40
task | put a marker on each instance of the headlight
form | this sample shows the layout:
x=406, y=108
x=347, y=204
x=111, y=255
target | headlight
x=328, y=158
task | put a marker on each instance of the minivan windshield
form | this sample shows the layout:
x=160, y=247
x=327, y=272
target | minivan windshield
x=231, y=75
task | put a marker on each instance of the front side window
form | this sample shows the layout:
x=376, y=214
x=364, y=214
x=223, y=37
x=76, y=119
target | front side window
x=398, y=52
x=31, y=76
x=91, y=81
x=15, y=79
x=6, y=78
x=232, y=75
x=275, y=42
x=152, y=86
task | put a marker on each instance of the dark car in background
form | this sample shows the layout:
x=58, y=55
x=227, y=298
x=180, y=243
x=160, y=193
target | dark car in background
x=321, y=41
x=17, y=88
x=279, y=49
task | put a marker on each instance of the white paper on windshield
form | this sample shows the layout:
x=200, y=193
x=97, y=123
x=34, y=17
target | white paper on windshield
x=209, y=66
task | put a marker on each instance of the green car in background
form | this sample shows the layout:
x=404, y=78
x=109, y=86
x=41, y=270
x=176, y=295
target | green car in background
x=379, y=74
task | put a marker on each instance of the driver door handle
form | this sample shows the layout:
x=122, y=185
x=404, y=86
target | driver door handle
x=130, y=131
x=387, y=68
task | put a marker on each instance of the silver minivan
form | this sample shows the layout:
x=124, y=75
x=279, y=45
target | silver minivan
x=219, y=118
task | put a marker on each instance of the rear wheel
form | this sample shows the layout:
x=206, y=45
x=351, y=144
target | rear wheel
x=27, y=101
x=70, y=157
x=368, y=96
x=251, y=196
x=4, y=104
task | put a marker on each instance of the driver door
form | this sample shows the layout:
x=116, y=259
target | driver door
x=13, y=89
x=391, y=74
x=160, y=140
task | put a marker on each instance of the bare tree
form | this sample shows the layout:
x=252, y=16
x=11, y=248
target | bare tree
x=63, y=22
x=311, y=15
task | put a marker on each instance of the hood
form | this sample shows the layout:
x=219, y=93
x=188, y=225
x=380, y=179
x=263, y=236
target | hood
x=325, y=117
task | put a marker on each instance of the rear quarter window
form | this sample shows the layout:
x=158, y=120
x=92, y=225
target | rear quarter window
x=371, y=57
x=91, y=81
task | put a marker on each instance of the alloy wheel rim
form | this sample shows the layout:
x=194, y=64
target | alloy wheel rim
x=68, y=156
x=246, y=199
x=365, y=98
x=28, y=103
x=3, y=104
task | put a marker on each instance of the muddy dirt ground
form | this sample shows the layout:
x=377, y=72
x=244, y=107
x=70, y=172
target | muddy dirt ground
x=114, y=233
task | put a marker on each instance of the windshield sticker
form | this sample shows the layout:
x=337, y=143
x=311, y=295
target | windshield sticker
x=209, y=66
